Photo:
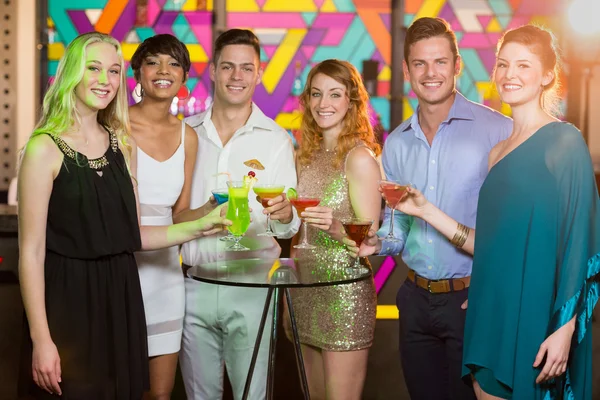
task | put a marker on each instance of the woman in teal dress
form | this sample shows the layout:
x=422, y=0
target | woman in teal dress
x=536, y=262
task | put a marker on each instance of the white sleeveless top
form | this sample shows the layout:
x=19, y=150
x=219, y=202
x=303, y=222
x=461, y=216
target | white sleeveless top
x=160, y=184
x=161, y=280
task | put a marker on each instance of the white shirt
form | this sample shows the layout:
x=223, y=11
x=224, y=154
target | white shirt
x=261, y=139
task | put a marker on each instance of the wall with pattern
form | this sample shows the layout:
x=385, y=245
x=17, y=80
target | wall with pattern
x=297, y=34
x=294, y=35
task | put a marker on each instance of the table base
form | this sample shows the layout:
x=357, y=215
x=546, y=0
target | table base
x=277, y=298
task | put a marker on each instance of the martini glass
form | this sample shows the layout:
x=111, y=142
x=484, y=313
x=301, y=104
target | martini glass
x=221, y=195
x=301, y=203
x=238, y=213
x=357, y=230
x=393, y=194
x=267, y=192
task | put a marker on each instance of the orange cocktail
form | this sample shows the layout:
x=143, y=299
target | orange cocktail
x=267, y=192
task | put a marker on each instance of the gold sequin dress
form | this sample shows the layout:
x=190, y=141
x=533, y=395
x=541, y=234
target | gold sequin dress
x=341, y=317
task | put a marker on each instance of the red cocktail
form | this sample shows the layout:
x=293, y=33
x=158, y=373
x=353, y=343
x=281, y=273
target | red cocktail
x=393, y=192
x=301, y=204
x=357, y=229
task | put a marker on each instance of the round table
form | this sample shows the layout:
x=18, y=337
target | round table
x=274, y=274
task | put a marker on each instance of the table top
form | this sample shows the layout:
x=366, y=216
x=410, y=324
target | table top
x=279, y=272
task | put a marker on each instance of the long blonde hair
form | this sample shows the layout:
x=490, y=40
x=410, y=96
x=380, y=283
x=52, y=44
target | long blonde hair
x=59, y=111
x=356, y=125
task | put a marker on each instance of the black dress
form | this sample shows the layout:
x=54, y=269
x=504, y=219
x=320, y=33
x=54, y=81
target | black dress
x=94, y=302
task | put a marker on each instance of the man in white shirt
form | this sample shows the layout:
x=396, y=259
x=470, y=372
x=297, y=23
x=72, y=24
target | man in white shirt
x=221, y=322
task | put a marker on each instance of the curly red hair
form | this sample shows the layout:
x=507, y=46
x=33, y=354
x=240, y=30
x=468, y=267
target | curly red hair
x=356, y=124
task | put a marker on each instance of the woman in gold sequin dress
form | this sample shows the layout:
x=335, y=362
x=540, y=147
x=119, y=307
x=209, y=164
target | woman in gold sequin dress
x=337, y=163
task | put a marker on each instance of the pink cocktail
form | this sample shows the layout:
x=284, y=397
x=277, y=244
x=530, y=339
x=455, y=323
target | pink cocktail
x=301, y=204
x=393, y=193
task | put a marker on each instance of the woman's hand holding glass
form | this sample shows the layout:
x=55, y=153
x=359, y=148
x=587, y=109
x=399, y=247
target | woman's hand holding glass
x=214, y=221
x=301, y=203
x=413, y=202
x=371, y=245
x=321, y=217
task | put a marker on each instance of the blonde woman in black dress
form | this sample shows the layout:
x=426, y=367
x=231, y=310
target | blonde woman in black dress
x=78, y=229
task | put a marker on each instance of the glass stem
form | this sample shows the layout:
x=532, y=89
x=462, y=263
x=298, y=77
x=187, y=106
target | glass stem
x=305, y=241
x=268, y=224
x=391, y=234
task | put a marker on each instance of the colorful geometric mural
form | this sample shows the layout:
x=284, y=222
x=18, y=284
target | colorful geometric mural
x=478, y=25
x=296, y=34
x=182, y=18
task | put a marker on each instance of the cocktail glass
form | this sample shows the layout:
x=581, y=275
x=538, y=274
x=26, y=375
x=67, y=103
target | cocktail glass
x=357, y=230
x=221, y=195
x=238, y=213
x=301, y=203
x=393, y=194
x=267, y=192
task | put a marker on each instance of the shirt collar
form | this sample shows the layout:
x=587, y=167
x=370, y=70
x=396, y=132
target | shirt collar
x=257, y=120
x=461, y=109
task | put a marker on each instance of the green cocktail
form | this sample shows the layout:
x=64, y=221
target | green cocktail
x=238, y=213
x=267, y=192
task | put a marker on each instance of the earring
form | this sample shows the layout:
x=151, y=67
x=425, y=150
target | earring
x=141, y=93
x=188, y=93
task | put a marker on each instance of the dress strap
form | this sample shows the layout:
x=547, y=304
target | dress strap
x=97, y=163
x=56, y=139
x=182, y=133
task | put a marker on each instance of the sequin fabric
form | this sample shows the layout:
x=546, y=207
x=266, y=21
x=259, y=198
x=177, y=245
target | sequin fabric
x=341, y=317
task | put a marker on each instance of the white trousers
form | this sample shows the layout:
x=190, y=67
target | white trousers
x=220, y=327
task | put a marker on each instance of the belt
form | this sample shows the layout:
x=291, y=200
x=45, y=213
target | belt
x=440, y=285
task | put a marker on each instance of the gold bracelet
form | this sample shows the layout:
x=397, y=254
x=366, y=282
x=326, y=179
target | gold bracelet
x=461, y=235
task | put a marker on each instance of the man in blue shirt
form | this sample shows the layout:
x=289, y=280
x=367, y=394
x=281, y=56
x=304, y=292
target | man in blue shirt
x=442, y=150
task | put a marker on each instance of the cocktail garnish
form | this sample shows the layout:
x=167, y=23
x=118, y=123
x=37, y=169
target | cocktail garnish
x=249, y=181
x=291, y=193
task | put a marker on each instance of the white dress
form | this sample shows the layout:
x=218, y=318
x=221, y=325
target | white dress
x=159, y=187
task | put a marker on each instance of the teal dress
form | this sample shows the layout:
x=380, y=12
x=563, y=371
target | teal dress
x=536, y=265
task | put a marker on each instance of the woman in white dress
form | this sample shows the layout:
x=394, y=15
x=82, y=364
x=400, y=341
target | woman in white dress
x=166, y=157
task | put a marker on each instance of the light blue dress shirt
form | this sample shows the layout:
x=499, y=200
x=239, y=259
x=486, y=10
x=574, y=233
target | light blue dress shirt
x=450, y=173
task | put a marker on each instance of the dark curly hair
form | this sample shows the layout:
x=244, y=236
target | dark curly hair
x=161, y=44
